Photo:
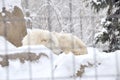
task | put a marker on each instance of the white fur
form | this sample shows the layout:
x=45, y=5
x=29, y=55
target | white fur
x=57, y=42
x=70, y=43
x=42, y=37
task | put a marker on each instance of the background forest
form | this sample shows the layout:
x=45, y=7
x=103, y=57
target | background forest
x=72, y=16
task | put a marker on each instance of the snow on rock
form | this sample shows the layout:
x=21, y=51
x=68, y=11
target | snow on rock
x=41, y=68
x=36, y=49
x=9, y=4
x=17, y=70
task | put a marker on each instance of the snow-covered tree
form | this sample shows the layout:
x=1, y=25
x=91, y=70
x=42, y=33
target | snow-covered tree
x=111, y=24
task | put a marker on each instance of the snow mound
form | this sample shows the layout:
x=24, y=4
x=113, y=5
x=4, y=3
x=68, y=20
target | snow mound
x=5, y=45
x=86, y=67
x=41, y=68
x=105, y=66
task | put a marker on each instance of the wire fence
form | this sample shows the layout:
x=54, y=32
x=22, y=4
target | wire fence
x=47, y=17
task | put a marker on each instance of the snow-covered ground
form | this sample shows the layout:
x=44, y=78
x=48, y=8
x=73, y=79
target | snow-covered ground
x=95, y=65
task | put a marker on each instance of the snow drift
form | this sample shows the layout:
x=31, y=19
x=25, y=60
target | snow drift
x=94, y=65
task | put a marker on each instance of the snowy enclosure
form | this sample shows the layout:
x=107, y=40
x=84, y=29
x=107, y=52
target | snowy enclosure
x=37, y=62
x=72, y=16
x=95, y=65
